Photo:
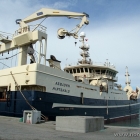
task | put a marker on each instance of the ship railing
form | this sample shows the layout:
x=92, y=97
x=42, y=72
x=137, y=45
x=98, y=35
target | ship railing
x=115, y=78
x=30, y=28
x=105, y=76
x=4, y=35
x=87, y=61
x=38, y=27
x=101, y=64
x=84, y=47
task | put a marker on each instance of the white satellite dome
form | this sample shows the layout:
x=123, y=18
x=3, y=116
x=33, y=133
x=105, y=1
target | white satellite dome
x=82, y=34
x=87, y=46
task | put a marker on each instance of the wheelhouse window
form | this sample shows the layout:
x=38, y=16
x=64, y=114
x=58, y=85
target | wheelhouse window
x=90, y=70
x=107, y=72
x=78, y=70
x=111, y=73
x=102, y=71
x=86, y=69
x=71, y=71
x=74, y=70
x=97, y=71
x=67, y=71
x=81, y=70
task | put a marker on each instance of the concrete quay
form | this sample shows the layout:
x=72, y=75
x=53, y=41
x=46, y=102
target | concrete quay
x=12, y=129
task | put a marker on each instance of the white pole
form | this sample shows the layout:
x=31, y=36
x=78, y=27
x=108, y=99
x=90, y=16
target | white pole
x=45, y=49
x=39, y=55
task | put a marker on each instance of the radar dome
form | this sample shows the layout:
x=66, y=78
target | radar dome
x=82, y=34
x=87, y=46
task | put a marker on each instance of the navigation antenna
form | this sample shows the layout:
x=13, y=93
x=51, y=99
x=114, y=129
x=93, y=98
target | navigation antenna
x=127, y=77
x=85, y=48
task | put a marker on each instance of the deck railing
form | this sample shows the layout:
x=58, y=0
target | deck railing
x=4, y=35
x=30, y=28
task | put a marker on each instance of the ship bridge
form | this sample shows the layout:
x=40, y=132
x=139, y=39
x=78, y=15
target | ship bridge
x=89, y=72
x=92, y=72
x=86, y=69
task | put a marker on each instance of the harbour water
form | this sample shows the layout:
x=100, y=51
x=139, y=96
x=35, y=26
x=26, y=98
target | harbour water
x=129, y=123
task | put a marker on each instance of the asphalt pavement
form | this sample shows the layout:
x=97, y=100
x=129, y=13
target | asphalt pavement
x=12, y=129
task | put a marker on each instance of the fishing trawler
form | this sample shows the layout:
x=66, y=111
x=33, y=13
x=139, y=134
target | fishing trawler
x=84, y=89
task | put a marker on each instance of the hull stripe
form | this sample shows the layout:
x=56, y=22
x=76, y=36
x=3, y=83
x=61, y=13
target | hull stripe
x=87, y=106
x=123, y=116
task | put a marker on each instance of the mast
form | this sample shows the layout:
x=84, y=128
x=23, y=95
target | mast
x=127, y=77
x=85, y=48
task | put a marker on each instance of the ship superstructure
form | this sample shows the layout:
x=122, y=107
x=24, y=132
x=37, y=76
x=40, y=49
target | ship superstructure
x=83, y=89
x=103, y=75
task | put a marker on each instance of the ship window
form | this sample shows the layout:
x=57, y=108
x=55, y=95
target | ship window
x=74, y=70
x=90, y=71
x=97, y=71
x=113, y=74
x=86, y=69
x=3, y=95
x=78, y=70
x=67, y=71
x=34, y=87
x=82, y=70
x=106, y=71
x=82, y=98
x=102, y=71
x=71, y=71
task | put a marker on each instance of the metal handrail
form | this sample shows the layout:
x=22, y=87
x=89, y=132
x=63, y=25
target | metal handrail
x=30, y=28
x=4, y=35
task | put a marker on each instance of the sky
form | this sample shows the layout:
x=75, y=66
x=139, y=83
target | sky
x=113, y=32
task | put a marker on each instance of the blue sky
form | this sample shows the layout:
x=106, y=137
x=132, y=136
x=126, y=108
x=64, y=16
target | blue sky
x=113, y=32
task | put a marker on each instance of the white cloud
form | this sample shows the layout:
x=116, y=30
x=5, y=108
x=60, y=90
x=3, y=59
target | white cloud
x=64, y=4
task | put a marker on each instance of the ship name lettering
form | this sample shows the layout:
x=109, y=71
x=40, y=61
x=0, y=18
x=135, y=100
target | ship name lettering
x=61, y=89
x=62, y=84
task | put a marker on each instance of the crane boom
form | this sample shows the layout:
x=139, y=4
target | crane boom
x=44, y=13
x=25, y=36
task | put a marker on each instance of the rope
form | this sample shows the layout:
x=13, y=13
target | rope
x=42, y=116
x=5, y=64
x=39, y=23
x=11, y=56
x=5, y=33
x=12, y=59
x=16, y=59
